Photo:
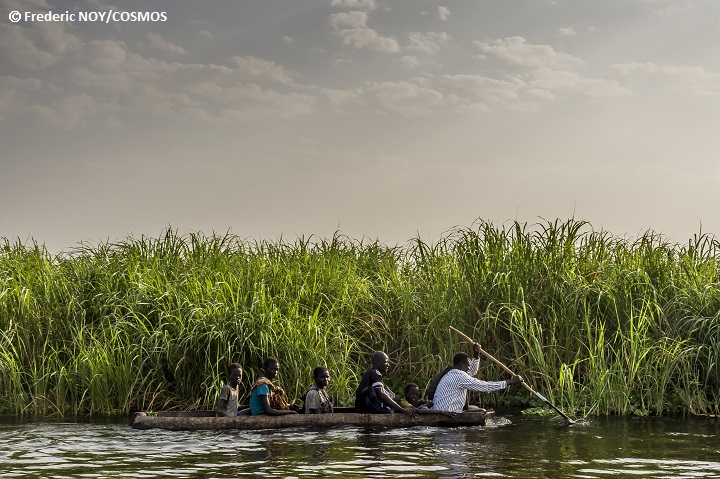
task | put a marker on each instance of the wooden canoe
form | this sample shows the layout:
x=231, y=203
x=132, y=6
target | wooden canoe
x=198, y=420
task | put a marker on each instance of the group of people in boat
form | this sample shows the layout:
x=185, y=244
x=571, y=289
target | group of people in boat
x=446, y=394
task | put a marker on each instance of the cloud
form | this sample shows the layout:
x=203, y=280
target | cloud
x=559, y=81
x=669, y=7
x=567, y=31
x=541, y=74
x=288, y=39
x=14, y=91
x=77, y=111
x=443, y=13
x=36, y=45
x=429, y=42
x=263, y=69
x=107, y=83
x=352, y=28
x=516, y=51
x=407, y=98
x=696, y=80
x=342, y=97
x=411, y=61
x=362, y=4
x=489, y=89
x=156, y=41
x=100, y=5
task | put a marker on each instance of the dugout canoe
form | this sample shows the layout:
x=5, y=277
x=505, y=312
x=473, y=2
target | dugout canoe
x=206, y=420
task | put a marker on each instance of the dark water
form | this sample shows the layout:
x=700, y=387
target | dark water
x=515, y=446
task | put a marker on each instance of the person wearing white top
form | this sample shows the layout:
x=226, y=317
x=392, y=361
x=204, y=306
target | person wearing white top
x=451, y=392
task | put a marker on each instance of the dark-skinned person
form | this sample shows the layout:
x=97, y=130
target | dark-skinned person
x=451, y=392
x=474, y=366
x=372, y=396
x=411, y=397
x=268, y=398
x=227, y=404
x=317, y=400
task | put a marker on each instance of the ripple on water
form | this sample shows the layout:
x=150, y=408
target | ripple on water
x=655, y=468
x=529, y=448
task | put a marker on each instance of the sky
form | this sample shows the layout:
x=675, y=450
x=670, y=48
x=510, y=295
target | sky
x=378, y=119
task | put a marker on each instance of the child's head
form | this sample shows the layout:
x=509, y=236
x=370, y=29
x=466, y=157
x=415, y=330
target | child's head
x=234, y=372
x=412, y=392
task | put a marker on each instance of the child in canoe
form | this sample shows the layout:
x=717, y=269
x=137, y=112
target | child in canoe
x=227, y=404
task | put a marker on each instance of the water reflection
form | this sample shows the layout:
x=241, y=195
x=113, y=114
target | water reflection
x=521, y=447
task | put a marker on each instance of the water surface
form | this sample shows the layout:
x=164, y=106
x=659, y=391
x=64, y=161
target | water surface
x=514, y=446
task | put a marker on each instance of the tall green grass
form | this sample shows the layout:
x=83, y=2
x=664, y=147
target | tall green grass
x=598, y=324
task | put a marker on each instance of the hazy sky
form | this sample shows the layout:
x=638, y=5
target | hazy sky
x=379, y=118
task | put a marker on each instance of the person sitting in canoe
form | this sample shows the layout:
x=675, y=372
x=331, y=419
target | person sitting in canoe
x=227, y=403
x=228, y=399
x=474, y=365
x=411, y=397
x=452, y=388
x=266, y=397
x=372, y=396
x=317, y=400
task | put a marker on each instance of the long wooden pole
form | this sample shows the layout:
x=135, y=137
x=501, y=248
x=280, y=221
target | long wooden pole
x=507, y=370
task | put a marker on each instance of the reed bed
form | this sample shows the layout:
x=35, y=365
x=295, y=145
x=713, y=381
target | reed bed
x=599, y=324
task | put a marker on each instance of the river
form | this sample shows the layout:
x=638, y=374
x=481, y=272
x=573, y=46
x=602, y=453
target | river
x=513, y=446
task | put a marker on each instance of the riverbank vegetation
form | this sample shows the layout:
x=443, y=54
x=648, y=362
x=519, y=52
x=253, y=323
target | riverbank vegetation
x=597, y=323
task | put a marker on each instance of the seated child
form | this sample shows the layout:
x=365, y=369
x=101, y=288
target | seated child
x=317, y=400
x=227, y=404
x=411, y=398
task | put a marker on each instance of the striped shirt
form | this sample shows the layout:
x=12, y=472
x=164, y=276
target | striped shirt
x=451, y=393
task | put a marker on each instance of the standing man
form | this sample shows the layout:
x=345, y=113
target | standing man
x=452, y=388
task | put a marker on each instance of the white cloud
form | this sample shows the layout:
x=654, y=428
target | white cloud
x=263, y=69
x=35, y=47
x=549, y=80
x=696, y=80
x=516, y=51
x=101, y=55
x=204, y=33
x=548, y=72
x=443, y=13
x=14, y=91
x=406, y=98
x=429, y=42
x=100, y=5
x=342, y=97
x=411, y=61
x=76, y=111
x=489, y=89
x=156, y=41
x=352, y=28
x=288, y=39
x=109, y=82
x=567, y=31
x=362, y=4
x=669, y=7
